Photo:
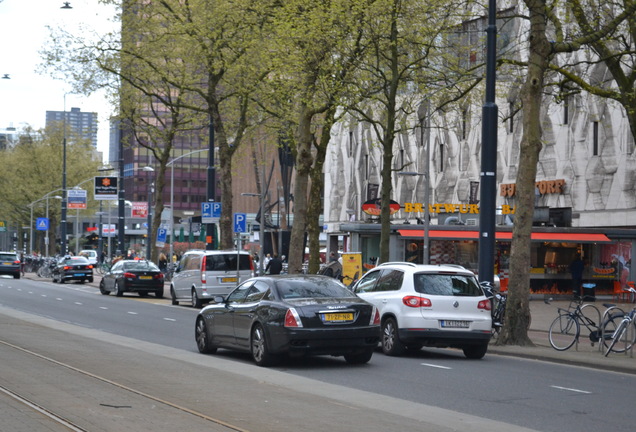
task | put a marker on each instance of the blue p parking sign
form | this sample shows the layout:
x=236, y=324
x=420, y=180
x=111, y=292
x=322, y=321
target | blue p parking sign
x=240, y=222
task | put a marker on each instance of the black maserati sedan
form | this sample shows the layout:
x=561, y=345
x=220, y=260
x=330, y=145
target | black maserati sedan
x=294, y=315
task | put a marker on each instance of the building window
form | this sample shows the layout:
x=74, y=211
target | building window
x=464, y=123
x=566, y=109
x=441, y=157
x=511, y=117
x=595, y=138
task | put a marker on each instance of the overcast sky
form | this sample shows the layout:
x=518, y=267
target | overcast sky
x=25, y=98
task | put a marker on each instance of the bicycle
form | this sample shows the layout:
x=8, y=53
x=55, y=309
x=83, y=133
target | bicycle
x=103, y=268
x=625, y=330
x=566, y=327
x=498, y=313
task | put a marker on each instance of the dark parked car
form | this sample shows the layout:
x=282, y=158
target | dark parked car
x=138, y=276
x=10, y=264
x=297, y=315
x=72, y=268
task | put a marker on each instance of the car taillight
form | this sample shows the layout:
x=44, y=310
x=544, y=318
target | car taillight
x=67, y=267
x=128, y=275
x=203, y=261
x=159, y=276
x=484, y=304
x=252, y=269
x=292, y=319
x=90, y=266
x=16, y=262
x=414, y=301
x=375, y=316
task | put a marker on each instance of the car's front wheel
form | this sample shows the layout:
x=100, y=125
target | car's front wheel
x=391, y=344
x=259, y=349
x=475, y=352
x=202, y=337
x=173, y=296
x=102, y=288
x=359, y=358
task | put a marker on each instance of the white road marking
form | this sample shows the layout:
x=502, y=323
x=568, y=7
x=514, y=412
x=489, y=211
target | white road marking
x=170, y=319
x=132, y=313
x=435, y=366
x=78, y=303
x=571, y=389
x=103, y=307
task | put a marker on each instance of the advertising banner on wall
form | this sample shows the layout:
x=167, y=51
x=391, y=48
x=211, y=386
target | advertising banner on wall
x=76, y=199
x=139, y=209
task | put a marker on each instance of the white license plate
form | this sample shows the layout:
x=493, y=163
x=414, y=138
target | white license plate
x=455, y=324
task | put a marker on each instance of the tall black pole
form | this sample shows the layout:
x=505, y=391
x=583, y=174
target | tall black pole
x=64, y=194
x=121, y=221
x=211, y=191
x=488, y=175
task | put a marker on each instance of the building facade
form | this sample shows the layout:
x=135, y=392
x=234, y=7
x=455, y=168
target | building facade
x=80, y=124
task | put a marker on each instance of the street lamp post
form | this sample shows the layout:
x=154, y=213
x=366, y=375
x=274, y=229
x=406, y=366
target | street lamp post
x=261, y=228
x=171, y=164
x=45, y=197
x=149, y=214
x=64, y=192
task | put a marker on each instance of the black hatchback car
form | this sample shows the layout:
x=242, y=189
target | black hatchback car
x=10, y=264
x=138, y=276
x=297, y=315
x=72, y=268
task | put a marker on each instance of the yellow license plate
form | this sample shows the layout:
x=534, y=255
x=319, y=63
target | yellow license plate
x=145, y=277
x=228, y=279
x=337, y=317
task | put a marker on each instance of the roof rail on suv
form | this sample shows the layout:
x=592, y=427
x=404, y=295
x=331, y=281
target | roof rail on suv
x=410, y=264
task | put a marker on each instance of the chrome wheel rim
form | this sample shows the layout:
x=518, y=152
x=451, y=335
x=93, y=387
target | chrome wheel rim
x=388, y=337
x=258, y=344
x=202, y=338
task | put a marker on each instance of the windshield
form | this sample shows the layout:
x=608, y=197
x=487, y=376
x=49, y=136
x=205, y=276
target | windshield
x=447, y=284
x=314, y=288
x=141, y=266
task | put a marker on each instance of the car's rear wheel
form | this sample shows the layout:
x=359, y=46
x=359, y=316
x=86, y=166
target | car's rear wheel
x=196, y=301
x=173, y=296
x=102, y=288
x=90, y=280
x=475, y=352
x=119, y=289
x=359, y=358
x=142, y=294
x=159, y=293
x=16, y=276
x=391, y=344
x=202, y=338
x=258, y=347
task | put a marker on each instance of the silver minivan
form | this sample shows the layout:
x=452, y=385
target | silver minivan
x=204, y=274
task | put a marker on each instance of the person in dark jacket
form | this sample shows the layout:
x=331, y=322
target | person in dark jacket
x=274, y=266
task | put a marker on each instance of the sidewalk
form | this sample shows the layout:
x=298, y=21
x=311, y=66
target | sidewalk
x=542, y=316
x=582, y=355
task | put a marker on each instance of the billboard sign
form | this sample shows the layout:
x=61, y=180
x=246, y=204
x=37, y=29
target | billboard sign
x=76, y=199
x=105, y=188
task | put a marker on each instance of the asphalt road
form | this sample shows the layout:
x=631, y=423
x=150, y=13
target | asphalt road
x=148, y=345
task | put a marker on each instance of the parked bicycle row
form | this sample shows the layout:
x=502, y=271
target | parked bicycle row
x=614, y=329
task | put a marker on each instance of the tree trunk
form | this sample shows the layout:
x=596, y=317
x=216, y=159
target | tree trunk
x=515, y=331
x=301, y=187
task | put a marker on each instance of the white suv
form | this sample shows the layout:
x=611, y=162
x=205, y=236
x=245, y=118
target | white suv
x=428, y=305
x=202, y=275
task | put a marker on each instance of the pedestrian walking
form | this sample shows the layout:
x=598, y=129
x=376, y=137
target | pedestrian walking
x=274, y=266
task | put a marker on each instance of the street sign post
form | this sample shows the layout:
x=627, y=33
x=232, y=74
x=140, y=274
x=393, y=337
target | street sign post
x=42, y=224
x=162, y=235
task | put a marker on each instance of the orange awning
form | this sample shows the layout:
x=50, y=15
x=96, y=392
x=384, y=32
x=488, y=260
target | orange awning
x=507, y=235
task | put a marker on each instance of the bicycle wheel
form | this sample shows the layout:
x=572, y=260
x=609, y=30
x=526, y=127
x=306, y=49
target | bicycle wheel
x=619, y=334
x=564, y=331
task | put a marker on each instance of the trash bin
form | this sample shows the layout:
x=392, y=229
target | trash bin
x=589, y=292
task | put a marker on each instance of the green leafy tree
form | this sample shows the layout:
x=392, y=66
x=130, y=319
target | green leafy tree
x=546, y=39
